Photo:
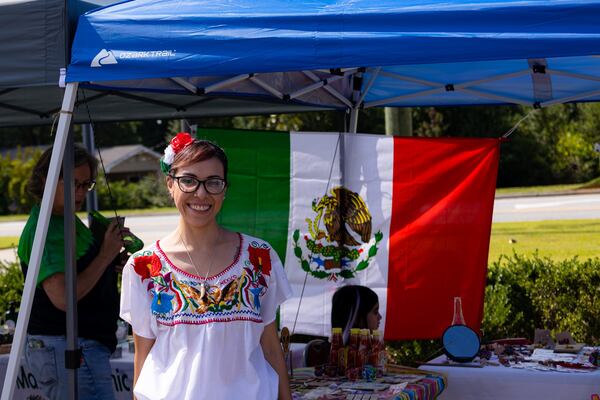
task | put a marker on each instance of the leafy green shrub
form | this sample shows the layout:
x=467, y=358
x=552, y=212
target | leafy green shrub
x=14, y=175
x=410, y=352
x=528, y=292
x=11, y=284
x=147, y=193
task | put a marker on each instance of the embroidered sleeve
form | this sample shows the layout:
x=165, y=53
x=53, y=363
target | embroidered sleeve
x=136, y=299
x=278, y=286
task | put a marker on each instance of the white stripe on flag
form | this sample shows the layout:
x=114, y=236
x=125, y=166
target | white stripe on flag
x=368, y=161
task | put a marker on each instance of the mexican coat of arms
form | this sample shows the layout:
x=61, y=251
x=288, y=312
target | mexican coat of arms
x=339, y=250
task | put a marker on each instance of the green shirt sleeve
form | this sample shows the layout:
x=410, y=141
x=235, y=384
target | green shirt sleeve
x=53, y=257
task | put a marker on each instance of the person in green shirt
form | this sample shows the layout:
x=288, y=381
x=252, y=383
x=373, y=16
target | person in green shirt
x=97, y=294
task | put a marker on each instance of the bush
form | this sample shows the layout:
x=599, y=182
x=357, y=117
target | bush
x=11, y=284
x=147, y=193
x=528, y=292
x=524, y=293
x=14, y=175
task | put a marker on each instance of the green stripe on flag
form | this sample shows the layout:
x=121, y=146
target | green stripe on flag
x=258, y=196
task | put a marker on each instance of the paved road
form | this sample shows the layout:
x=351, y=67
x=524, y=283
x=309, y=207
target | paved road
x=582, y=206
x=542, y=208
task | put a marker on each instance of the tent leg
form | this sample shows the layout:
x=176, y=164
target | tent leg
x=72, y=352
x=39, y=241
x=353, y=120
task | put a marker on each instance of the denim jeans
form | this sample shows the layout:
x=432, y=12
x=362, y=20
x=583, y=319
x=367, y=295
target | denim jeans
x=45, y=357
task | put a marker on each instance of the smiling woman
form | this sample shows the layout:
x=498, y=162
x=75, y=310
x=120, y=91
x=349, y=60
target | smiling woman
x=202, y=301
x=97, y=294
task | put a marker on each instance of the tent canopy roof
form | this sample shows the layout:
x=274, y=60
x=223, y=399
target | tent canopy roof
x=318, y=52
x=33, y=42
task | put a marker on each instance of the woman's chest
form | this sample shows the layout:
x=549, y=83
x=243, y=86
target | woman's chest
x=181, y=298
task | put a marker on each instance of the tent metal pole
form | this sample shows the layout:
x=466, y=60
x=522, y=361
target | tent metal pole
x=374, y=75
x=353, y=120
x=41, y=230
x=72, y=355
x=357, y=88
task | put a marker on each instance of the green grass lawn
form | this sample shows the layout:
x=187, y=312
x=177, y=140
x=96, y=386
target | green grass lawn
x=558, y=240
x=6, y=242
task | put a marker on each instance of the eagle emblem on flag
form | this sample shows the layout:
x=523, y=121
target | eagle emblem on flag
x=339, y=250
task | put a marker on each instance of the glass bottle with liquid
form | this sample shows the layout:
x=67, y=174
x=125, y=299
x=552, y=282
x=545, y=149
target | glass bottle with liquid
x=132, y=242
x=364, y=347
x=458, y=318
x=353, y=343
x=331, y=369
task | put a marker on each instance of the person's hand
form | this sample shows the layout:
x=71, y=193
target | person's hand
x=113, y=240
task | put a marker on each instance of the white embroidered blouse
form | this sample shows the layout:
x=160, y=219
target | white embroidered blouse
x=205, y=347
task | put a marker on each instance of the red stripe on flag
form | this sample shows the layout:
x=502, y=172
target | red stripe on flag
x=443, y=198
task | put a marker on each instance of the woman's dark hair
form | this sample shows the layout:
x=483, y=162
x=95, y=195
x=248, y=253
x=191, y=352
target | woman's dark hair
x=350, y=306
x=200, y=150
x=37, y=180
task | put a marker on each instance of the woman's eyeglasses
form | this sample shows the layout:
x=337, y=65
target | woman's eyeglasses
x=189, y=184
x=88, y=186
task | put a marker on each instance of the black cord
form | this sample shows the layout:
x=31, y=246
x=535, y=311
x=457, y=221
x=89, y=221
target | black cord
x=110, y=196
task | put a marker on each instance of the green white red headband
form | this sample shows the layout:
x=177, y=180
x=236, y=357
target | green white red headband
x=178, y=143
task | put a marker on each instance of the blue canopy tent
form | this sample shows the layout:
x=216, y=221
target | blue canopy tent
x=347, y=54
x=328, y=54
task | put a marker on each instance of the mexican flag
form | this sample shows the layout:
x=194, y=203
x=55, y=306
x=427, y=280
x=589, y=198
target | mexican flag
x=408, y=217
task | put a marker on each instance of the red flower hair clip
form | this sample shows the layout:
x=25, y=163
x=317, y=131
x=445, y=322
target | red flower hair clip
x=178, y=143
x=181, y=141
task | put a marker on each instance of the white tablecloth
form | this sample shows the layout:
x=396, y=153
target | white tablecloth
x=498, y=382
x=27, y=387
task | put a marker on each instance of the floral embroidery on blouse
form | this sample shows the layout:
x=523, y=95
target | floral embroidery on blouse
x=176, y=298
x=147, y=266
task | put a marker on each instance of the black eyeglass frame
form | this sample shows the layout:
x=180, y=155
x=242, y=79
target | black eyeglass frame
x=87, y=185
x=198, y=183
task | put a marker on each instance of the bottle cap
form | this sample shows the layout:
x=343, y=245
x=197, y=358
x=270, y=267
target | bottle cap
x=364, y=331
x=336, y=330
x=355, y=331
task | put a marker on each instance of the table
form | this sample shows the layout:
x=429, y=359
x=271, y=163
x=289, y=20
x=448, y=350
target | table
x=499, y=382
x=428, y=387
x=27, y=387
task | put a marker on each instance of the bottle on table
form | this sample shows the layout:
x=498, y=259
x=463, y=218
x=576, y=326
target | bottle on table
x=342, y=361
x=458, y=318
x=364, y=346
x=378, y=356
x=353, y=343
x=334, y=352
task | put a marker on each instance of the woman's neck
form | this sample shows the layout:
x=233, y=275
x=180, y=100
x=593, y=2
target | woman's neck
x=199, y=238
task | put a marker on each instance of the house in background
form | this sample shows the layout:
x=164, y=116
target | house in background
x=130, y=162
x=122, y=163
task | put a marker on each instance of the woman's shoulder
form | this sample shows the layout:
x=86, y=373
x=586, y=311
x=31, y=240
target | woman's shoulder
x=148, y=250
x=250, y=241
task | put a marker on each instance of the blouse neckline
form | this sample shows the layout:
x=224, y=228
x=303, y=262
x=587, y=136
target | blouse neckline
x=181, y=271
